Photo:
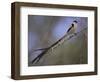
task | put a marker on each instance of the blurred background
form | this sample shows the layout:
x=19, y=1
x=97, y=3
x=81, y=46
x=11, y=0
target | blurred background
x=43, y=31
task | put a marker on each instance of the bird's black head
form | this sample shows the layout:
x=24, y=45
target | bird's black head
x=75, y=21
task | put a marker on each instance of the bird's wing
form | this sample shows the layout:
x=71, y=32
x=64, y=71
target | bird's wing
x=69, y=29
x=72, y=25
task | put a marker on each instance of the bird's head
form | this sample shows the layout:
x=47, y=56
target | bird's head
x=75, y=21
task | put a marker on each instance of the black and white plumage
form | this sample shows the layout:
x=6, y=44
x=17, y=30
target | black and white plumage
x=73, y=28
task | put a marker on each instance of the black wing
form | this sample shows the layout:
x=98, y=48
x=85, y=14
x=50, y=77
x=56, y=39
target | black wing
x=70, y=28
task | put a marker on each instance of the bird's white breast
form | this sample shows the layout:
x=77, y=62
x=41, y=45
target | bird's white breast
x=75, y=27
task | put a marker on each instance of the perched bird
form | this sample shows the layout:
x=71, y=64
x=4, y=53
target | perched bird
x=73, y=28
x=70, y=32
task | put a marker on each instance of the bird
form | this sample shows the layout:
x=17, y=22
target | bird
x=70, y=32
x=73, y=28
